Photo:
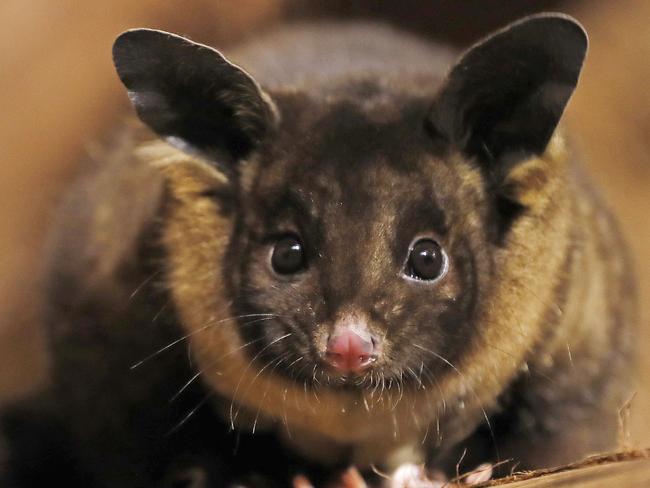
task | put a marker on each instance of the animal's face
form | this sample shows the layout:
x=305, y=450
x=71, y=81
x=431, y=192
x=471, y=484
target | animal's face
x=364, y=231
x=353, y=226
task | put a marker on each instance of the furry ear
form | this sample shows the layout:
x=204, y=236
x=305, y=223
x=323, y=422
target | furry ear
x=503, y=100
x=191, y=95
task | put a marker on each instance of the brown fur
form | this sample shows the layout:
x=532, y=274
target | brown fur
x=552, y=293
x=538, y=347
x=552, y=263
x=561, y=297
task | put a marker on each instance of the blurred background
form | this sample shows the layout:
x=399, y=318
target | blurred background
x=59, y=98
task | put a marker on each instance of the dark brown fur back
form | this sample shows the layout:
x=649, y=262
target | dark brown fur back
x=525, y=341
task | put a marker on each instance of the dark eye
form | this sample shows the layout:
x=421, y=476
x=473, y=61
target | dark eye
x=427, y=261
x=288, y=255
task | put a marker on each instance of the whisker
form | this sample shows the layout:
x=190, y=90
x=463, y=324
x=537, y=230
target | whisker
x=160, y=312
x=143, y=284
x=259, y=353
x=266, y=391
x=415, y=376
x=431, y=376
x=568, y=348
x=426, y=433
x=209, y=325
x=194, y=377
x=250, y=385
x=302, y=368
x=294, y=362
x=190, y=414
x=532, y=369
x=284, y=413
x=480, y=404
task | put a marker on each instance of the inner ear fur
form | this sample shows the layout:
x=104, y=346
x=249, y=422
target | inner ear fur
x=504, y=98
x=191, y=95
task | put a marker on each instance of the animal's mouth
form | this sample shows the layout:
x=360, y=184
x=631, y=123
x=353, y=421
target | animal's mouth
x=355, y=365
x=350, y=381
x=371, y=380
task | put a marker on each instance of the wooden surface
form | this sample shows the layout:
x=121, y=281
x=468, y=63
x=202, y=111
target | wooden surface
x=625, y=474
x=625, y=469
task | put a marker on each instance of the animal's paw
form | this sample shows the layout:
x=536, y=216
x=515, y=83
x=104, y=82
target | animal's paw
x=415, y=476
x=480, y=474
x=195, y=477
x=301, y=481
x=350, y=478
x=408, y=476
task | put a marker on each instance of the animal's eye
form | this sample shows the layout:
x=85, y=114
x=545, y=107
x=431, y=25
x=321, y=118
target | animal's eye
x=427, y=261
x=288, y=255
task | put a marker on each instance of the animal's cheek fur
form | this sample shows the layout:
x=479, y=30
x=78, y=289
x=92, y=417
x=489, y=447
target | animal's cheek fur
x=437, y=316
x=195, y=236
x=415, y=343
x=195, y=233
x=286, y=301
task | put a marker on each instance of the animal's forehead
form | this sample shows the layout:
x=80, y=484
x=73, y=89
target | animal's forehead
x=378, y=202
x=324, y=145
x=356, y=193
x=353, y=127
x=341, y=161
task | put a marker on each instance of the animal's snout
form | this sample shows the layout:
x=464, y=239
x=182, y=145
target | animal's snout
x=350, y=351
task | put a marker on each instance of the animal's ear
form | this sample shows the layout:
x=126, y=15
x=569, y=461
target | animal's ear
x=191, y=95
x=504, y=98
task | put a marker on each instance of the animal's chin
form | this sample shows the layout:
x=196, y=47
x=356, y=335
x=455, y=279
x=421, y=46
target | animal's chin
x=349, y=381
x=372, y=380
x=317, y=373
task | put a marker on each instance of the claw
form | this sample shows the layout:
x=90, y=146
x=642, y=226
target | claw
x=351, y=478
x=480, y=474
x=194, y=477
x=301, y=481
x=407, y=476
x=415, y=476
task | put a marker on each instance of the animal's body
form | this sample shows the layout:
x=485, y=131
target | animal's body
x=367, y=259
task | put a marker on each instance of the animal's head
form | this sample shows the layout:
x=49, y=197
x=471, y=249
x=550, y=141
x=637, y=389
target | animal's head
x=361, y=239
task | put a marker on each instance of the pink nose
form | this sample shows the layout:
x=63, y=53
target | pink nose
x=349, y=352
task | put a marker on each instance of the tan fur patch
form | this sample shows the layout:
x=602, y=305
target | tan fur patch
x=196, y=236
